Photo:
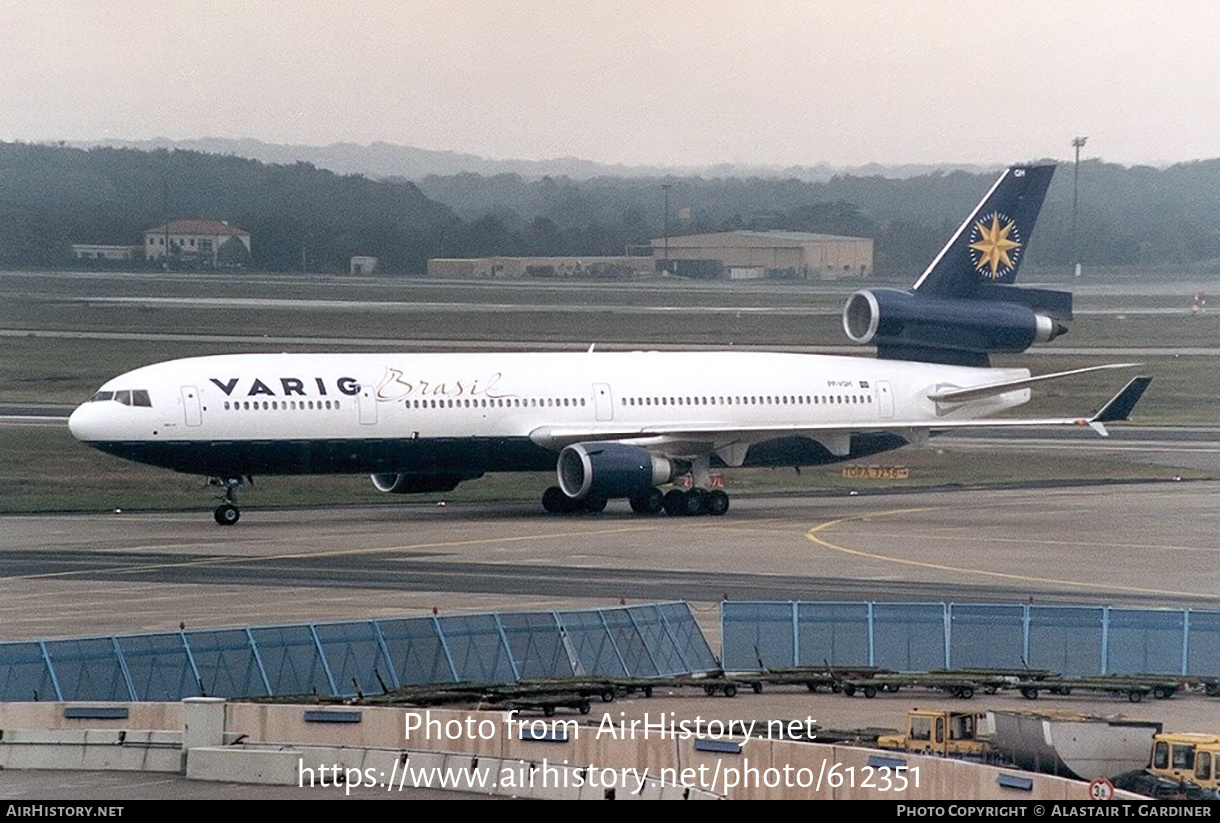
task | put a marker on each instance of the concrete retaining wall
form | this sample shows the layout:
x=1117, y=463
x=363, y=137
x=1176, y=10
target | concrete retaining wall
x=274, y=743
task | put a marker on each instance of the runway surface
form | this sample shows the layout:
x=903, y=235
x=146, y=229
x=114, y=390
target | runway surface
x=1147, y=545
x=68, y=575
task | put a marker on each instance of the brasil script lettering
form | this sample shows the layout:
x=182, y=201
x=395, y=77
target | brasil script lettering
x=396, y=386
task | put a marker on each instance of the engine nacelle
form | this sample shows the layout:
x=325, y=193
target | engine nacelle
x=908, y=326
x=610, y=470
x=416, y=483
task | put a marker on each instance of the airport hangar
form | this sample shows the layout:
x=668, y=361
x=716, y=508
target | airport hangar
x=732, y=255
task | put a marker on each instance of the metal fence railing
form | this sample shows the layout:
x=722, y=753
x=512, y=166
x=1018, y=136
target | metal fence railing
x=368, y=656
x=1074, y=640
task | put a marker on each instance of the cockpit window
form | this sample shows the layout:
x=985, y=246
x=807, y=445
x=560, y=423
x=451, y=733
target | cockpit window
x=128, y=397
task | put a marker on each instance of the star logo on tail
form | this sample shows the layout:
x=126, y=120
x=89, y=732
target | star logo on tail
x=995, y=246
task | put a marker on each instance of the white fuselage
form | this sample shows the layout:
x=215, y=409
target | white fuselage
x=710, y=401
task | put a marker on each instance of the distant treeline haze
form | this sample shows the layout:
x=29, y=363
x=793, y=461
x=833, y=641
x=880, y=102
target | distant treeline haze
x=304, y=218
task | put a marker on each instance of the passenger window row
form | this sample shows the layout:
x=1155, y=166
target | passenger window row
x=753, y=400
x=280, y=405
x=498, y=403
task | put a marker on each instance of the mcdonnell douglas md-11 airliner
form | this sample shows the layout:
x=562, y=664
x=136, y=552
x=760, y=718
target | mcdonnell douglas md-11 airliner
x=617, y=424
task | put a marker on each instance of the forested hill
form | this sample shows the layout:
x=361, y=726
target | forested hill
x=53, y=196
x=1139, y=215
x=303, y=217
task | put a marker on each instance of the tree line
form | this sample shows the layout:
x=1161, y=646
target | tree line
x=304, y=218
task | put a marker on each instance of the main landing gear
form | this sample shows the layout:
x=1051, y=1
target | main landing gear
x=695, y=502
x=699, y=499
x=227, y=513
x=675, y=503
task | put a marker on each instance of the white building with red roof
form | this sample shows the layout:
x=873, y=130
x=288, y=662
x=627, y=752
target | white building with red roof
x=197, y=240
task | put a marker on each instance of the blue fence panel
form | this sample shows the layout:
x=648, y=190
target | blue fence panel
x=88, y=669
x=159, y=667
x=477, y=648
x=691, y=643
x=416, y=650
x=226, y=663
x=1065, y=639
x=835, y=633
x=1203, y=644
x=292, y=660
x=986, y=637
x=354, y=657
x=1139, y=640
x=536, y=643
x=909, y=636
x=663, y=652
x=24, y=674
x=757, y=634
x=644, y=640
x=632, y=649
x=591, y=642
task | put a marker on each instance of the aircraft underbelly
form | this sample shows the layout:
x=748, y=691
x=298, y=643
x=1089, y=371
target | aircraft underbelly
x=430, y=455
x=802, y=451
x=349, y=456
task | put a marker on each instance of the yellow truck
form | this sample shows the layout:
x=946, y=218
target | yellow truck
x=1187, y=758
x=948, y=734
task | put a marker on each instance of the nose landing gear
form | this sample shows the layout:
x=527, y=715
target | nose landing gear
x=227, y=513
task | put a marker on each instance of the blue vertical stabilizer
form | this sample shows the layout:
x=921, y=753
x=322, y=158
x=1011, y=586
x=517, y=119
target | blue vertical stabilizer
x=989, y=246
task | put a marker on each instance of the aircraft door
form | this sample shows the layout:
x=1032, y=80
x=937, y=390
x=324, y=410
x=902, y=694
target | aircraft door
x=367, y=402
x=603, y=401
x=885, y=400
x=190, y=406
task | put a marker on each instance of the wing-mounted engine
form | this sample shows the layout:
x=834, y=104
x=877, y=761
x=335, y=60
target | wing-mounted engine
x=907, y=325
x=610, y=470
x=418, y=483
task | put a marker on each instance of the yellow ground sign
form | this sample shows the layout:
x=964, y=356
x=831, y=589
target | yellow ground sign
x=876, y=472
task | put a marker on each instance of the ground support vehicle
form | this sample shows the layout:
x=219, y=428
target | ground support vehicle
x=948, y=734
x=1134, y=687
x=956, y=685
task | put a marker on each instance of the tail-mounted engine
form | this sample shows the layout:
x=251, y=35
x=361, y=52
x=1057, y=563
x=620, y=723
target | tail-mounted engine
x=906, y=325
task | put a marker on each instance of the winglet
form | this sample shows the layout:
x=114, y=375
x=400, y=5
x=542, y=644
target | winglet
x=1121, y=404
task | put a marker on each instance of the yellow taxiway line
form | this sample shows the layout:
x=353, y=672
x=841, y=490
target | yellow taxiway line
x=813, y=535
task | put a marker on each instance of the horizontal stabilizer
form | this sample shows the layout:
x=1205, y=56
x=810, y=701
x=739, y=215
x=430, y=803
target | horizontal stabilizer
x=992, y=389
x=1054, y=304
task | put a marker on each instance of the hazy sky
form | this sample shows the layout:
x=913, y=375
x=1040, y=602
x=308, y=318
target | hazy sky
x=757, y=81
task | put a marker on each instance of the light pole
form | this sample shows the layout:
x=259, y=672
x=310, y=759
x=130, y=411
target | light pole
x=1077, y=144
x=666, y=187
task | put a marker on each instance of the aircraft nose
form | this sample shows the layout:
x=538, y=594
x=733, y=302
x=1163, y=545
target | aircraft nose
x=83, y=422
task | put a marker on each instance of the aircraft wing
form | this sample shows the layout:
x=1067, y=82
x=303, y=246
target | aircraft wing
x=1118, y=408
